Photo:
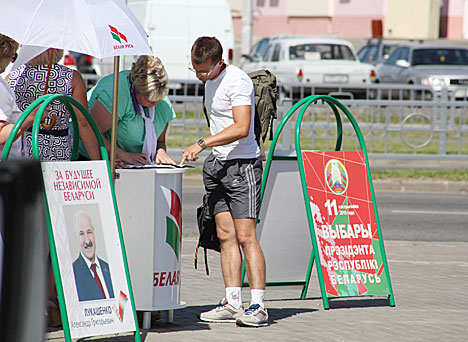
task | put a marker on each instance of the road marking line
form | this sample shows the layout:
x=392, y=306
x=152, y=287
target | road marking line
x=432, y=262
x=429, y=212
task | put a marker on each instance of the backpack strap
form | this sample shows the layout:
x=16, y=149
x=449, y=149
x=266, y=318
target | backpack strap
x=196, y=256
x=207, y=270
x=204, y=108
x=206, y=263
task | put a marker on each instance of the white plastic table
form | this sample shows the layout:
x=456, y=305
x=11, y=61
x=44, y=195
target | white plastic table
x=150, y=209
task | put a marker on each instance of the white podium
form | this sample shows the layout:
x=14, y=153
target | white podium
x=150, y=208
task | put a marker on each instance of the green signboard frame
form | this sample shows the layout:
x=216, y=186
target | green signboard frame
x=336, y=107
x=43, y=102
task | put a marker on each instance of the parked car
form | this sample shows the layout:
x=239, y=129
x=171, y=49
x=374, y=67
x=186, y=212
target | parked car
x=308, y=59
x=256, y=52
x=376, y=51
x=431, y=65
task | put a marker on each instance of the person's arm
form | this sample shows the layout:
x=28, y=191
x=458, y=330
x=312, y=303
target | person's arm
x=6, y=128
x=161, y=153
x=86, y=132
x=104, y=122
x=238, y=130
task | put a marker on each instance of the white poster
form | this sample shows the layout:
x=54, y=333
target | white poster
x=88, y=248
x=167, y=242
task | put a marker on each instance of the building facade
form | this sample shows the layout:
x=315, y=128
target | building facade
x=357, y=19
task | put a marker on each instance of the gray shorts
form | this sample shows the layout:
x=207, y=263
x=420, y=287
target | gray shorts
x=233, y=185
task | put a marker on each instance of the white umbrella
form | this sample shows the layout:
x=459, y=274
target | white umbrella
x=100, y=28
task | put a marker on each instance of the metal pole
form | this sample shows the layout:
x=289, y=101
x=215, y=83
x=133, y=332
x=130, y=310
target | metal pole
x=247, y=24
x=115, y=102
x=444, y=98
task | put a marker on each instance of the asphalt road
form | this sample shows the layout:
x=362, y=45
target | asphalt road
x=403, y=216
x=423, y=216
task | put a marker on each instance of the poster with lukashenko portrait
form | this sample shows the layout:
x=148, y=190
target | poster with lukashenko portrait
x=88, y=248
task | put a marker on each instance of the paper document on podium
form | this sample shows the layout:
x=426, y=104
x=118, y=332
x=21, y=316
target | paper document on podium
x=159, y=166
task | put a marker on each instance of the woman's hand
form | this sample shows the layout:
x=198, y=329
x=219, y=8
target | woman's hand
x=121, y=165
x=133, y=158
x=163, y=158
x=29, y=121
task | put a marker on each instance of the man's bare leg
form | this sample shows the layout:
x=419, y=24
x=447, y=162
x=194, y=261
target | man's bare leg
x=254, y=258
x=231, y=259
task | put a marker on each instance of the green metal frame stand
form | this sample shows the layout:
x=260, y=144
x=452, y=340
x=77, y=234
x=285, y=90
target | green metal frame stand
x=336, y=107
x=43, y=102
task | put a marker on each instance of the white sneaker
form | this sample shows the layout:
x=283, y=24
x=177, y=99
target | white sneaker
x=224, y=312
x=254, y=316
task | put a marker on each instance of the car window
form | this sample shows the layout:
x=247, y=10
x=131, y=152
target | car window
x=268, y=53
x=388, y=49
x=440, y=56
x=393, y=57
x=320, y=51
x=363, y=52
x=373, y=54
x=276, y=53
x=342, y=52
x=404, y=54
x=259, y=49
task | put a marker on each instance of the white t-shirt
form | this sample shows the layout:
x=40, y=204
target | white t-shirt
x=233, y=87
x=9, y=112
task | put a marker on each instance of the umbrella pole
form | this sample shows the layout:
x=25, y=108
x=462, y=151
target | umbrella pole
x=115, y=102
x=46, y=89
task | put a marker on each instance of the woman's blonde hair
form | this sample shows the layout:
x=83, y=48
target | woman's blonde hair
x=43, y=58
x=8, y=47
x=149, y=77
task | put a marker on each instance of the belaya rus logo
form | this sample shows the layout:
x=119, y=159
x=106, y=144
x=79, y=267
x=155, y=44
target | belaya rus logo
x=174, y=224
x=118, y=36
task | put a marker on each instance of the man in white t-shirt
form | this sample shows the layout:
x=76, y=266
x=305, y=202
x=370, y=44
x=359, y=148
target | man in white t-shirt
x=9, y=112
x=232, y=176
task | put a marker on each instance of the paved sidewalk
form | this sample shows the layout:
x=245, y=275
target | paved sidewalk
x=429, y=282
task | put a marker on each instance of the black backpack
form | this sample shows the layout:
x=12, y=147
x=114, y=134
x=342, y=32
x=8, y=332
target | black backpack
x=266, y=95
x=208, y=238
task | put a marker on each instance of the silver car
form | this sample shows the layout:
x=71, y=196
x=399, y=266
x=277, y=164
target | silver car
x=430, y=65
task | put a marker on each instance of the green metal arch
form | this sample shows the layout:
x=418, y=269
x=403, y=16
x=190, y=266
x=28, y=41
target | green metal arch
x=42, y=103
x=336, y=107
x=69, y=102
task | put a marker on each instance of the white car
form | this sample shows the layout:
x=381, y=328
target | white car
x=310, y=60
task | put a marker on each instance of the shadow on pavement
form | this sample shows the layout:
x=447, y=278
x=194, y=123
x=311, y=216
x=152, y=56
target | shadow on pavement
x=187, y=318
x=357, y=303
x=276, y=314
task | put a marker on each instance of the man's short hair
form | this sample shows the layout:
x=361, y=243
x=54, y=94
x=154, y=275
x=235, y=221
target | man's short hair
x=205, y=49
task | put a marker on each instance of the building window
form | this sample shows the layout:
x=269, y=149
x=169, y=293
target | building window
x=274, y=3
x=260, y=3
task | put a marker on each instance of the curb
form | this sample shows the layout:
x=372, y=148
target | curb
x=420, y=185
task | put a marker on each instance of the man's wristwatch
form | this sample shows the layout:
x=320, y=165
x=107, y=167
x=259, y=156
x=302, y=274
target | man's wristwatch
x=201, y=142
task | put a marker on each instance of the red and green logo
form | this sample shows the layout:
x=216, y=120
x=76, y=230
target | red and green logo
x=118, y=36
x=123, y=299
x=336, y=176
x=174, y=224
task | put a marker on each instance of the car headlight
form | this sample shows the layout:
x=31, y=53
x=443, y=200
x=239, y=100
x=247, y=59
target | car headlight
x=436, y=81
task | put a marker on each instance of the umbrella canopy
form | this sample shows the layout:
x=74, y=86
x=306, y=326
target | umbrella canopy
x=100, y=28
